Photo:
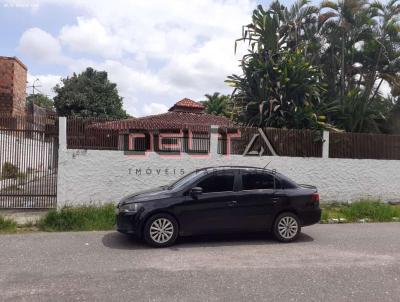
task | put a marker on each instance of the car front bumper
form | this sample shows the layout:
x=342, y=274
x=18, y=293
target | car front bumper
x=127, y=223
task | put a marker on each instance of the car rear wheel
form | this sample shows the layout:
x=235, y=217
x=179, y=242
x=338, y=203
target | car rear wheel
x=287, y=227
x=161, y=230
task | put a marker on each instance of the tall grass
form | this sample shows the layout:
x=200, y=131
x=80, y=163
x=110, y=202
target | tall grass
x=81, y=218
x=7, y=225
x=373, y=210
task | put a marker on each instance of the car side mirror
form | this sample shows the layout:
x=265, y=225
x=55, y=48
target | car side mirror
x=196, y=191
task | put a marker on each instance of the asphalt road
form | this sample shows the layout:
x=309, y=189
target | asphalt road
x=352, y=262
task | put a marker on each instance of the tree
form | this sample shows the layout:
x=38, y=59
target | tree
x=40, y=100
x=279, y=86
x=334, y=59
x=88, y=94
x=362, y=51
x=218, y=104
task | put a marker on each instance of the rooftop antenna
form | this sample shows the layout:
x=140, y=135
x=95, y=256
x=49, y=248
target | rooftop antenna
x=34, y=87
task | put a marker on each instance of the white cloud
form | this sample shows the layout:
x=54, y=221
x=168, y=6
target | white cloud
x=89, y=36
x=156, y=51
x=39, y=45
x=154, y=108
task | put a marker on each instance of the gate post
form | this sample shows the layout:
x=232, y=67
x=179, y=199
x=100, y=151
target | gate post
x=325, y=144
x=62, y=130
x=62, y=154
x=214, y=140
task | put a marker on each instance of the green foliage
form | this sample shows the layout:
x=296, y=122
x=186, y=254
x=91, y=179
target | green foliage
x=218, y=104
x=373, y=210
x=88, y=94
x=310, y=67
x=283, y=91
x=81, y=218
x=40, y=100
x=9, y=170
x=279, y=86
x=357, y=113
x=7, y=225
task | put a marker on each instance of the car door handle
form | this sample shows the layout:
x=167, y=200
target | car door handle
x=275, y=199
x=232, y=203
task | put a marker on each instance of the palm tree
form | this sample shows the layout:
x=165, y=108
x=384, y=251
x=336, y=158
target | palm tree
x=342, y=23
x=218, y=104
x=298, y=23
x=384, y=49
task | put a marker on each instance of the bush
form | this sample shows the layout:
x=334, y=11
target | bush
x=7, y=225
x=9, y=171
x=82, y=218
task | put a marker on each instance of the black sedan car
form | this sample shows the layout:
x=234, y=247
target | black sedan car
x=220, y=200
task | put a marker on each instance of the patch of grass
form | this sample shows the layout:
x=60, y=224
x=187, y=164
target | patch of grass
x=81, y=218
x=373, y=210
x=7, y=225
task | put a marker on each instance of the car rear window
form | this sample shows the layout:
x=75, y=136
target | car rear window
x=256, y=181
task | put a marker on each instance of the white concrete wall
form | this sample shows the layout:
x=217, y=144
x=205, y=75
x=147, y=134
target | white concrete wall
x=107, y=176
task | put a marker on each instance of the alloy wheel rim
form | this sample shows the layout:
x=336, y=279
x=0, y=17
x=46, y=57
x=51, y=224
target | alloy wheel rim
x=161, y=230
x=288, y=227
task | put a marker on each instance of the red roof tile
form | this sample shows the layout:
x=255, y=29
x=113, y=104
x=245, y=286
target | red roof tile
x=187, y=104
x=173, y=120
x=185, y=114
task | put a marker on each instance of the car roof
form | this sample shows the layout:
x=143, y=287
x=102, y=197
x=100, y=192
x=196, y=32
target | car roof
x=246, y=168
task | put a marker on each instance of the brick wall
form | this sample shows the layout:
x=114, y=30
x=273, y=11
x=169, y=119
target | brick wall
x=13, y=77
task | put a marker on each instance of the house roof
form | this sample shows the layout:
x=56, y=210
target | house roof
x=187, y=105
x=179, y=116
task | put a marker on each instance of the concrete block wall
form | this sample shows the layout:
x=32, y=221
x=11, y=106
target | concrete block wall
x=86, y=176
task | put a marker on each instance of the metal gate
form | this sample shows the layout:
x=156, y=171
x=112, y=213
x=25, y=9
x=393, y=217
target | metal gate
x=28, y=162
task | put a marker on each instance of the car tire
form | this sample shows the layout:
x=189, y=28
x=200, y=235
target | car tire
x=287, y=227
x=161, y=230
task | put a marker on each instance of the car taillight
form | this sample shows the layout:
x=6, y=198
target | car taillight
x=315, y=197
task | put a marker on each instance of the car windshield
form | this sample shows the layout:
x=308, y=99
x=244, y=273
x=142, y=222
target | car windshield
x=188, y=178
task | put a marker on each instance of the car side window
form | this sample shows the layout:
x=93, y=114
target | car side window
x=217, y=183
x=256, y=181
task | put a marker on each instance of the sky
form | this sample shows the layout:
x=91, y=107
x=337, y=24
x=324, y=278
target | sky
x=157, y=52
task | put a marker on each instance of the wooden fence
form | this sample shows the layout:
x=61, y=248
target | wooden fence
x=285, y=142
x=92, y=133
x=105, y=134
x=364, y=146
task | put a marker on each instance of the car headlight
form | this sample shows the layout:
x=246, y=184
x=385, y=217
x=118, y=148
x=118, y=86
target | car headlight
x=129, y=207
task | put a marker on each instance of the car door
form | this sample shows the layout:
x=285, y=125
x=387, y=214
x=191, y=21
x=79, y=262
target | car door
x=210, y=211
x=257, y=200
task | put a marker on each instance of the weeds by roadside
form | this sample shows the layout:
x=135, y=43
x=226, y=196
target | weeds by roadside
x=7, y=225
x=81, y=218
x=360, y=211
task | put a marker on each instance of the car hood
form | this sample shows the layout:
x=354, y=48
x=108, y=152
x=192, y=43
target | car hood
x=146, y=195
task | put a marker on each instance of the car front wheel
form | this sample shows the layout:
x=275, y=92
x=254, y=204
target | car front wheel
x=287, y=227
x=161, y=230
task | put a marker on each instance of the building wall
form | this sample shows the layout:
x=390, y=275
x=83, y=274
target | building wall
x=13, y=78
x=6, y=89
x=106, y=176
x=19, y=92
